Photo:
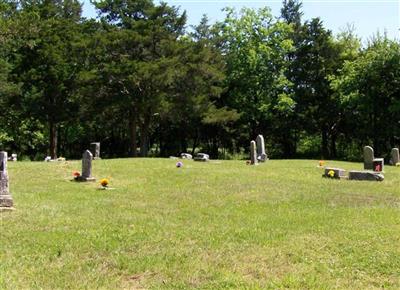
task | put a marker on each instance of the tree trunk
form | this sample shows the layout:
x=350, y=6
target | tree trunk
x=53, y=140
x=195, y=142
x=333, y=146
x=144, y=137
x=133, y=134
x=324, y=148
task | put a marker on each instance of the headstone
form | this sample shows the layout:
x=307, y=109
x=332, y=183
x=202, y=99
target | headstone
x=261, y=155
x=395, y=157
x=366, y=175
x=86, y=175
x=95, y=148
x=6, y=201
x=368, y=158
x=13, y=157
x=186, y=156
x=253, y=153
x=201, y=157
x=336, y=173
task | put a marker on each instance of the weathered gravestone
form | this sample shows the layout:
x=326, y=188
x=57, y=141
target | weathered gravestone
x=201, y=157
x=186, y=156
x=261, y=155
x=370, y=162
x=95, y=148
x=86, y=175
x=395, y=158
x=6, y=201
x=366, y=175
x=253, y=153
x=336, y=173
x=13, y=157
x=368, y=158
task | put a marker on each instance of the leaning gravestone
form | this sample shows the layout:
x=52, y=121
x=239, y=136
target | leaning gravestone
x=87, y=158
x=6, y=201
x=95, y=148
x=368, y=158
x=261, y=155
x=395, y=158
x=253, y=153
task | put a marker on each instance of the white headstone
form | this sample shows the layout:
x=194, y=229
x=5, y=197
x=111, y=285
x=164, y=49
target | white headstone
x=95, y=148
x=6, y=200
x=261, y=155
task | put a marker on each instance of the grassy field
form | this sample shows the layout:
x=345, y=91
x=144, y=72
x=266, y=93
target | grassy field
x=207, y=225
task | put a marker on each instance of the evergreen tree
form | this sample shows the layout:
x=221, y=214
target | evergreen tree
x=46, y=64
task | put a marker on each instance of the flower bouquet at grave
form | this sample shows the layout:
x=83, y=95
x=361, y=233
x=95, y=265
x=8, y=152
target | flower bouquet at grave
x=104, y=183
x=76, y=175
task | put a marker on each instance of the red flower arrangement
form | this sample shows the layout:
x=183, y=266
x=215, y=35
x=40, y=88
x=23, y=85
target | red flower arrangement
x=76, y=174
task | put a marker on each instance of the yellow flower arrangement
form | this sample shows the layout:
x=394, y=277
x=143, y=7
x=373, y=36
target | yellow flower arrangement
x=321, y=163
x=331, y=173
x=104, y=182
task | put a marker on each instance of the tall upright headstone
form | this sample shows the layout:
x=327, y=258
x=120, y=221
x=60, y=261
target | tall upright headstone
x=261, y=155
x=368, y=158
x=6, y=201
x=95, y=149
x=87, y=158
x=395, y=157
x=253, y=153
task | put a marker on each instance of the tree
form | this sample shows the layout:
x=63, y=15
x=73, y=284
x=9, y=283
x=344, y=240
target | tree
x=255, y=46
x=46, y=63
x=291, y=12
x=317, y=58
x=144, y=63
x=369, y=91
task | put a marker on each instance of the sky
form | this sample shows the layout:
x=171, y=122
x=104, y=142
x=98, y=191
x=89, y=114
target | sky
x=367, y=16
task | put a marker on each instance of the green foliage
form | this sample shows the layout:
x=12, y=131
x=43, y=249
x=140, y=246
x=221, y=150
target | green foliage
x=368, y=87
x=255, y=46
x=136, y=78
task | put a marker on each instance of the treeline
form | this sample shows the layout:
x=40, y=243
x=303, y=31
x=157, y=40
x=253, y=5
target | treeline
x=142, y=82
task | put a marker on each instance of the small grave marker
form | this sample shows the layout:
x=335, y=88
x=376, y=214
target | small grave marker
x=253, y=153
x=6, y=201
x=95, y=148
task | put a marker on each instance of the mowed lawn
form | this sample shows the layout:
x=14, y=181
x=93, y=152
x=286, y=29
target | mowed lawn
x=216, y=225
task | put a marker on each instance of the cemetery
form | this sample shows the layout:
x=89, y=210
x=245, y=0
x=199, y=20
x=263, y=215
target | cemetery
x=205, y=224
x=144, y=147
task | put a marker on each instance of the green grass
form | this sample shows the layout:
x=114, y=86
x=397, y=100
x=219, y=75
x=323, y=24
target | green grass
x=207, y=225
